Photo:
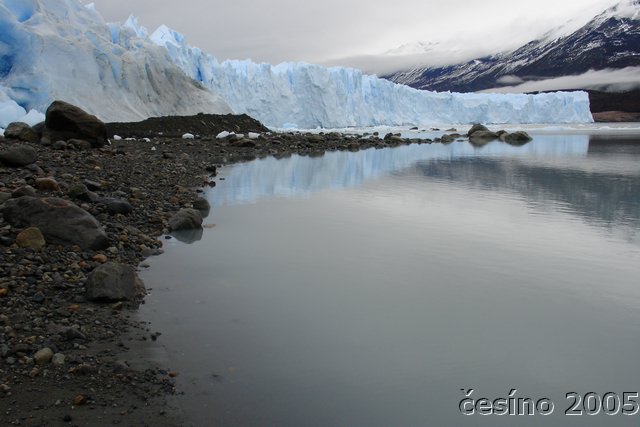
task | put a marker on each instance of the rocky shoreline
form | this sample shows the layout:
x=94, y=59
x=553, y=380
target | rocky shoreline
x=66, y=353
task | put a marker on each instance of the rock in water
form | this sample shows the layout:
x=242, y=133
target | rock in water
x=22, y=132
x=202, y=205
x=61, y=221
x=31, y=238
x=186, y=219
x=18, y=156
x=476, y=128
x=482, y=137
x=112, y=282
x=65, y=121
x=517, y=138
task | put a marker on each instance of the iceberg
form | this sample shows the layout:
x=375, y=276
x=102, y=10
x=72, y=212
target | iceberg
x=61, y=49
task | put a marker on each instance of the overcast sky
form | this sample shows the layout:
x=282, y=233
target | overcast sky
x=354, y=32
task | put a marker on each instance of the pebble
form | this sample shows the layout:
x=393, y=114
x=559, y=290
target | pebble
x=43, y=356
x=101, y=258
x=58, y=359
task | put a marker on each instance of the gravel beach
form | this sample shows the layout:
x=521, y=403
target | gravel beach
x=70, y=355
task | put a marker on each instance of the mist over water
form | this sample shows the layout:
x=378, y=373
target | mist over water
x=369, y=288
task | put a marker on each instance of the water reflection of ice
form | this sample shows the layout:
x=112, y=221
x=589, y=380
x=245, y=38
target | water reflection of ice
x=297, y=175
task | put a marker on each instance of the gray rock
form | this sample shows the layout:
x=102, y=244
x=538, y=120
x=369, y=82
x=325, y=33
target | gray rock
x=186, y=219
x=38, y=297
x=120, y=366
x=202, y=205
x=65, y=121
x=25, y=190
x=482, y=137
x=112, y=282
x=4, y=197
x=59, y=220
x=73, y=334
x=92, y=185
x=79, y=144
x=43, y=356
x=516, y=138
x=78, y=191
x=447, y=139
x=117, y=206
x=188, y=236
x=22, y=132
x=475, y=128
x=59, y=145
x=47, y=184
x=18, y=156
x=58, y=359
x=31, y=238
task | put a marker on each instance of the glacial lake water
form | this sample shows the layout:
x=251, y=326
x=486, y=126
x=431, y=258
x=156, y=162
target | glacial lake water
x=375, y=288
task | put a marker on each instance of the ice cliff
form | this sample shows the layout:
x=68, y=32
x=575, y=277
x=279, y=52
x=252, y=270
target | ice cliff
x=61, y=49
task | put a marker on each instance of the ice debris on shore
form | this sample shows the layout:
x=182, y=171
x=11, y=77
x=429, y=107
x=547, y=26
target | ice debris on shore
x=129, y=74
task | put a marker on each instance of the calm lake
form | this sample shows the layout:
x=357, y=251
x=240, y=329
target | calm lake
x=375, y=288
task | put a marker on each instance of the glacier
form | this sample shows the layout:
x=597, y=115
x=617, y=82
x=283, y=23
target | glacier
x=62, y=49
x=309, y=96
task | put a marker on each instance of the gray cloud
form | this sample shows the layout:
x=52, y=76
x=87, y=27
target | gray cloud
x=612, y=80
x=353, y=32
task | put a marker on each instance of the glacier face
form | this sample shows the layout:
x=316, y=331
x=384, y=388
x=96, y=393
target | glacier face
x=61, y=49
x=309, y=96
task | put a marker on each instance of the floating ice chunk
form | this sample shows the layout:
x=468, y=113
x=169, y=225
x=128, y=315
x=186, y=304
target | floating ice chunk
x=188, y=136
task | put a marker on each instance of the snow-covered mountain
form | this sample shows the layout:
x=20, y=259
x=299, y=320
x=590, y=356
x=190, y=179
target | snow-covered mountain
x=611, y=40
x=60, y=49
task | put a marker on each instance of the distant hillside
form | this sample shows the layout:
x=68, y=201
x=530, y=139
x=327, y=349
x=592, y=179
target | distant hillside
x=610, y=40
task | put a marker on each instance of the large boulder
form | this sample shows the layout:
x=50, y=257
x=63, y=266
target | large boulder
x=59, y=220
x=22, y=132
x=475, y=128
x=112, y=282
x=65, y=121
x=18, y=156
x=186, y=219
x=482, y=137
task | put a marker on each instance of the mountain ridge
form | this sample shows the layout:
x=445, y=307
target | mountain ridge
x=611, y=40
